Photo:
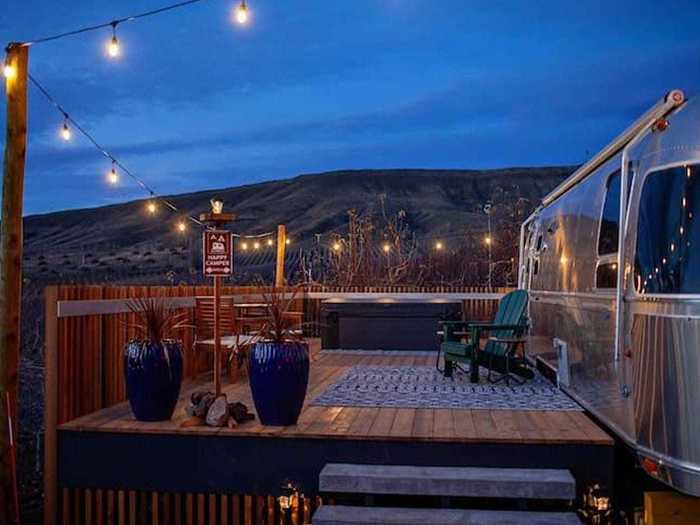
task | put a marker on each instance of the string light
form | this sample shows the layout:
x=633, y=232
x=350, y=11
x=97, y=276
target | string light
x=151, y=207
x=439, y=246
x=488, y=240
x=288, y=241
x=270, y=242
x=182, y=226
x=336, y=246
x=65, y=131
x=244, y=246
x=242, y=13
x=386, y=248
x=8, y=69
x=112, y=176
x=113, y=45
x=256, y=245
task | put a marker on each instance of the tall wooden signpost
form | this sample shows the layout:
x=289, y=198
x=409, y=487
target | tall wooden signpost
x=11, y=264
x=217, y=262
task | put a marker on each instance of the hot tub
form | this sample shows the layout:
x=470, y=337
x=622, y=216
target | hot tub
x=384, y=324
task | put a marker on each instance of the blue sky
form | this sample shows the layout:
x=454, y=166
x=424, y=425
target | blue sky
x=198, y=102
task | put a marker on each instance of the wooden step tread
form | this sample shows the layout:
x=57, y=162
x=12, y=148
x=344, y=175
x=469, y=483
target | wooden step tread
x=347, y=515
x=517, y=483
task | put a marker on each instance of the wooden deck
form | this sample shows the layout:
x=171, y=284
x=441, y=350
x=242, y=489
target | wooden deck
x=438, y=425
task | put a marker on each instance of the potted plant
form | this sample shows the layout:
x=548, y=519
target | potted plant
x=153, y=362
x=279, y=363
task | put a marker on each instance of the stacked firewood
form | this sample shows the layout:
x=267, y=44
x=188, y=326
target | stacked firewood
x=205, y=408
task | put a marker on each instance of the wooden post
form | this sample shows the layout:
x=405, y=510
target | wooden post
x=11, y=257
x=281, y=247
x=50, y=403
x=217, y=335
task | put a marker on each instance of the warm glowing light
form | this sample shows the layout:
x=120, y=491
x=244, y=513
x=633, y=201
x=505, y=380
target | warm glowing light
x=65, y=132
x=439, y=246
x=386, y=248
x=217, y=205
x=687, y=172
x=112, y=176
x=151, y=207
x=256, y=245
x=244, y=246
x=663, y=261
x=488, y=240
x=242, y=13
x=288, y=241
x=614, y=266
x=181, y=226
x=270, y=242
x=564, y=260
x=336, y=246
x=113, y=47
x=9, y=70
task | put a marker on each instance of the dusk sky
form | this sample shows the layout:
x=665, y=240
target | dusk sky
x=196, y=101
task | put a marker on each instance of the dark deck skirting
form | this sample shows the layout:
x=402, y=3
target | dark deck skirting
x=261, y=465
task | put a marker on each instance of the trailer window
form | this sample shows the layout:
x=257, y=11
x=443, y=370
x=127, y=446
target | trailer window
x=668, y=236
x=610, y=219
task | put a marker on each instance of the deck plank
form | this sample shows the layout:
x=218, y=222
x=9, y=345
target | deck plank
x=444, y=424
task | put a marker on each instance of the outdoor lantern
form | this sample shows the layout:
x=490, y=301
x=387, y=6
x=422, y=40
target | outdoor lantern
x=217, y=205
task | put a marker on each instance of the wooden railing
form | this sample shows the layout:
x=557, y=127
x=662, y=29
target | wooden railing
x=88, y=326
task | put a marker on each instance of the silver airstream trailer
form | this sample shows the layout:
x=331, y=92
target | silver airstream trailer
x=611, y=261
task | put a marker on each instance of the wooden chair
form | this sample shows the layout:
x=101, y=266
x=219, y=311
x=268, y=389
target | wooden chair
x=462, y=341
x=204, y=323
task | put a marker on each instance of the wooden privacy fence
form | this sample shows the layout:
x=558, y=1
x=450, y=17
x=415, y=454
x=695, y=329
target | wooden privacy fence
x=88, y=326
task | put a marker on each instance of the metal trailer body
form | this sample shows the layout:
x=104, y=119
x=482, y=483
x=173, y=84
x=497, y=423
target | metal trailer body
x=635, y=362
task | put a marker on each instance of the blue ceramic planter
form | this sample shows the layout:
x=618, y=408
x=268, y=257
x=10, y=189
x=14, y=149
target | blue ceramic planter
x=153, y=373
x=279, y=374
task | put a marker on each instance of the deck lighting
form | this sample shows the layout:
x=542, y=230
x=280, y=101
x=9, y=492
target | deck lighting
x=181, y=226
x=217, y=205
x=151, y=207
x=288, y=241
x=336, y=246
x=113, y=45
x=65, y=131
x=112, y=176
x=256, y=245
x=439, y=246
x=244, y=246
x=270, y=242
x=386, y=248
x=242, y=13
x=9, y=70
x=488, y=240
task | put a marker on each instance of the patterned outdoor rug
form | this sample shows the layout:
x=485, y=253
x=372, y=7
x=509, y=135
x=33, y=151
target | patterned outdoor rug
x=425, y=387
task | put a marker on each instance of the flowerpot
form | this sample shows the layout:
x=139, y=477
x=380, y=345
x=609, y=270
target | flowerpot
x=153, y=374
x=279, y=375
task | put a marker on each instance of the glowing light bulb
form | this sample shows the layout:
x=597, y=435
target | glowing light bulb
x=9, y=70
x=488, y=240
x=65, y=132
x=336, y=246
x=112, y=176
x=288, y=241
x=242, y=13
x=564, y=260
x=269, y=242
x=151, y=207
x=244, y=246
x=439, y=246
x=181, y=226
x=386, y=248
x=256, y=245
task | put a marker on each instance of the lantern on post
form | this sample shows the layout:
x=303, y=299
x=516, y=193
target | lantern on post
x=217, y=262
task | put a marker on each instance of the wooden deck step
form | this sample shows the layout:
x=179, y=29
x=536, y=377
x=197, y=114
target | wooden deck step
x=346, y=515
x=520, y=483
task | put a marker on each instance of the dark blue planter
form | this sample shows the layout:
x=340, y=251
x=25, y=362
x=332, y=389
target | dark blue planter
x=153, y=373
x=279, y=374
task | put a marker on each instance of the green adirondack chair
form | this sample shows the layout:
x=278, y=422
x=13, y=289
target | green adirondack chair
x=461, y=342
